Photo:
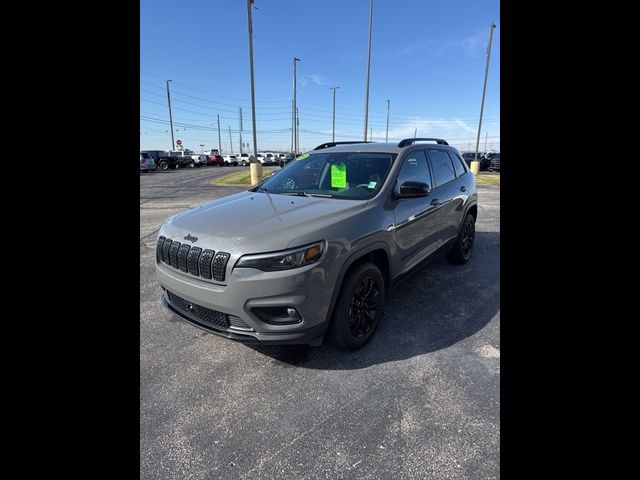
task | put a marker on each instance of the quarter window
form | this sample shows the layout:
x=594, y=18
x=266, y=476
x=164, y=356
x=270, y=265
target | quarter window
x=457, y=163
x=443, y=170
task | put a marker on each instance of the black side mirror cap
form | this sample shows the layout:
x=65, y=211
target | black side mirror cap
x=411, y=189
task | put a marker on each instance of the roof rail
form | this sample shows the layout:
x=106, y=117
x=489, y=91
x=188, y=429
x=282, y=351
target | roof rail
x=333, y=144
x=409, y=141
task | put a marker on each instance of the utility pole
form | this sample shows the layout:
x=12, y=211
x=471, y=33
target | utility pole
x=219, y=141
x=241, y=145
x=415, y=132
x=475, y=165
x=366, y=97
x=294, y=111
x=230, y=141
x=297, y=131
x=386, y=137
x=491, y=145
x=371, y=134
x=293, y=128
x=173, y=144
x=333, y=137
x=486, y=135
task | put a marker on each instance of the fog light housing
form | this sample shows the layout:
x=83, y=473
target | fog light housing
x=278, y=315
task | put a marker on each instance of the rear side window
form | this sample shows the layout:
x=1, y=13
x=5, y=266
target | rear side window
x=443, y=170
x=458, y=164
x=416, y=169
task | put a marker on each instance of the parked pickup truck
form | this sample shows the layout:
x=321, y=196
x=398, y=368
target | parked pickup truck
x=170, y=160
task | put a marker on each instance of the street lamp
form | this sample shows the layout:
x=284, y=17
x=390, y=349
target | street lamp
x=333, y=137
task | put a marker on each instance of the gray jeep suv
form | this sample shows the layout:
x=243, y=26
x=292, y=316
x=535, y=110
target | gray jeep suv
x=312, y=251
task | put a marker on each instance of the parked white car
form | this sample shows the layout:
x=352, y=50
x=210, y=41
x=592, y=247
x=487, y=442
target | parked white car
x=243, y=158
x=230, y=160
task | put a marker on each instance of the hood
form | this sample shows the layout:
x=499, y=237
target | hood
x=255, y=222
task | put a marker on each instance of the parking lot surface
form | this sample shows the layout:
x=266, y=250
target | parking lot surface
x=421, y=400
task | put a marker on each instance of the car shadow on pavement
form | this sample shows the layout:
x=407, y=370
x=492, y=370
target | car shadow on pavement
x=436, y=307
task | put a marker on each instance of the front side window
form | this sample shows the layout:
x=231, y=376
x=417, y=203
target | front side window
x=443, y=170
x=415, y=169
x=346, y=175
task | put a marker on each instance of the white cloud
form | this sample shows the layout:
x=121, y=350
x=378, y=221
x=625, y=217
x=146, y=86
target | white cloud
x=312, y=79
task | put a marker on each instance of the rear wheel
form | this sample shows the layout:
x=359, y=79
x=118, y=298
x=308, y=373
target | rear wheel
x=359, y=307
x=163, y=165
x=462, y=250
x=244, y=163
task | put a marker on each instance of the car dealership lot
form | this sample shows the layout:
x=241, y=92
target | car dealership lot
x=421, y=400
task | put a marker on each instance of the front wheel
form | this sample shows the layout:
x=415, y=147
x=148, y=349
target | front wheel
x=462, y=250
x=359, y=307
x=163, y=164
x=244, y=163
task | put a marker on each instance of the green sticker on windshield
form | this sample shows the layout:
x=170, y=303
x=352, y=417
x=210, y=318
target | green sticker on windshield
x=339, y=175
x=303, y=156
x=372, y=184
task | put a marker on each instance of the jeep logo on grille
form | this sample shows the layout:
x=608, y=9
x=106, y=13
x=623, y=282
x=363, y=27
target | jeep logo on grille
x=190, y=307
x=191, y=238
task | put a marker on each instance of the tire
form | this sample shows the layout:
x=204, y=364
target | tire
x=176, y=166
x=463, y=248
x=192, y=164
x=351, y=326
x=244, y=163
x=163, y=165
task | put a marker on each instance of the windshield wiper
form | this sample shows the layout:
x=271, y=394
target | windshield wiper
x=307, y=194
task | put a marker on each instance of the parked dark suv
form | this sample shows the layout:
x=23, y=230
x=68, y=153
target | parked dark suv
x=312, y=251
x=494, y=162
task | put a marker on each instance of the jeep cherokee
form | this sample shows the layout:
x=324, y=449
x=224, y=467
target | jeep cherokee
x=312, y=251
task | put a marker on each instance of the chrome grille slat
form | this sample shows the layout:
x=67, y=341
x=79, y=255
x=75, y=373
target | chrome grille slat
x=192, y=261
x=219, y=266
x=182, y=257
x=173, y=254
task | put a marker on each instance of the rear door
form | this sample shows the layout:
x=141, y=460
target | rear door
x=448, y=194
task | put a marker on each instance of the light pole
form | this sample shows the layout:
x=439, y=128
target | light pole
x=256, y=171
x=294, y=131
x=366, y=97
x=386, y=137
x=333, y=136
x=219, y=140
x=475, y=165
x=173, y=144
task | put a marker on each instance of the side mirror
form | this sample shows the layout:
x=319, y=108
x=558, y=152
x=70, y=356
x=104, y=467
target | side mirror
x=410, y=189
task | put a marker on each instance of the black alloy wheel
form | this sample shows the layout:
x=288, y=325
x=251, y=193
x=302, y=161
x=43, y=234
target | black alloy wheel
x=364, y=305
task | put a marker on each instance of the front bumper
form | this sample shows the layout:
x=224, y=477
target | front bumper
x=311, y=336
x=307, y=289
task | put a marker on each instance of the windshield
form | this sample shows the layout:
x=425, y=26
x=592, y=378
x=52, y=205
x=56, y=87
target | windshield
x=348, y=175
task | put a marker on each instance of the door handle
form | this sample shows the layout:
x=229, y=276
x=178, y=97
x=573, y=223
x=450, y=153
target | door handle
x=463, y=188
x=435, y=202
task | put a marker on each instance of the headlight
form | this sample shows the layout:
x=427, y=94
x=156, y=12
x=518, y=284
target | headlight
x=284, y=260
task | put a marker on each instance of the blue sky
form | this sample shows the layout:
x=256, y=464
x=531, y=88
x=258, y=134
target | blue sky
x=427, y=58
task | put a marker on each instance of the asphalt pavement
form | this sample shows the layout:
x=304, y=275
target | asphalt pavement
x=421, y=400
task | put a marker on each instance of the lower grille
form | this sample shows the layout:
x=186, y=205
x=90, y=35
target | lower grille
x=206, y=316
x=240, y=324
